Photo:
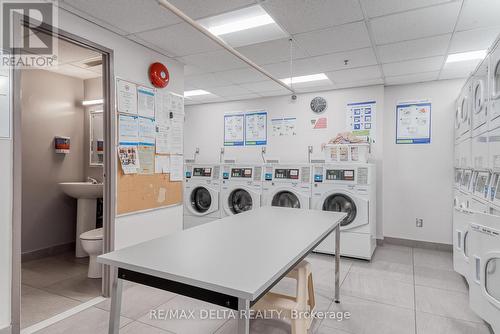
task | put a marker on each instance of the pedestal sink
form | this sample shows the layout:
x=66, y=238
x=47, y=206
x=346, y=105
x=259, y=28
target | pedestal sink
x=87, y=194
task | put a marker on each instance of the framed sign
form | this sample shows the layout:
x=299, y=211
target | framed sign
x=413, y=123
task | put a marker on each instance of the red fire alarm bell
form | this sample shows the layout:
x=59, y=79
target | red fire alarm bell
x=158, y=74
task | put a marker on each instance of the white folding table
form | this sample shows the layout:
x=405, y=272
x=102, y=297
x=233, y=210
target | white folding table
x=231, y=262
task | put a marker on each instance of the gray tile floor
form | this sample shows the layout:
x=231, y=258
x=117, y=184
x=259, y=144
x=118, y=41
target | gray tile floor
x=403, y=290
x=53, y=285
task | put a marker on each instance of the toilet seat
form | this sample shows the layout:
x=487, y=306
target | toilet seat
x=96, y=234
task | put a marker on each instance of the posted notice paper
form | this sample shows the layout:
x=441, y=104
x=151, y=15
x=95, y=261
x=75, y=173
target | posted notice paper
x=147, y=157
x=162, y=164
x=147, y=131
x=128, y=131
x=146, y=102
x=176, y=167
x=129, y=159
x=127, y=96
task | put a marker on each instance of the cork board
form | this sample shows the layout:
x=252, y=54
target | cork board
x=138, y=192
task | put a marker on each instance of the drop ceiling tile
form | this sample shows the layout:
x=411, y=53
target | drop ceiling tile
x=415, y=24
x=300, y=67
x=316, y=88
x=134, y=16
x=336, y=61
x=213, y=61
x=479, y=13
x=413, y=66
x=342, y=38
x=417, y=48
x=411, y=78
x=280, y=92
x=240, y=76
x=472, y=40
x=193, y=70
x=151, y=46
x=298, y=16
x=263, y=86
x=70, y=53
x=227, y=91
x=384, y=7
x=75, y=72
x=179, y=39
x=355, y=74
x=243, y=97
x=197, y=9
x=361, y=83
x=461, y=67
x=462, y=73
x=272, y=51
x=206, y=81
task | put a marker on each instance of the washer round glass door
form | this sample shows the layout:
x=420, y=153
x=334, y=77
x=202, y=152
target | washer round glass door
x=341, y=203
x=201, y=200
x=286, y=199
x=239, y=201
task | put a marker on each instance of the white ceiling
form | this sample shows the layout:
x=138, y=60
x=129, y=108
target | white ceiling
x=386, y=41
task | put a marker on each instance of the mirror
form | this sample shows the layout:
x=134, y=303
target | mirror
x=96, y=138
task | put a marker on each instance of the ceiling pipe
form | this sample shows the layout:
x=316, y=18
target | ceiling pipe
x=204, y=31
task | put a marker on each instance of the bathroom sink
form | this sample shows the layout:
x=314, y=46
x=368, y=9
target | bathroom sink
x=82, y=189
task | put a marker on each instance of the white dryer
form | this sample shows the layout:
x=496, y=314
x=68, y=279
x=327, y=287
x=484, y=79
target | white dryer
x=465, y=133
x=494, y=194
x=484, y=287
x=201, y=194
x=287, y=185
x=465, y=187
x=494, y=86
x=241, y=188
x=349, y=188
x=462, y=220
x=480, y=98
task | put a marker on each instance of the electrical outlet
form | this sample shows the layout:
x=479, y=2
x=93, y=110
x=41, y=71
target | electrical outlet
x=419, y=222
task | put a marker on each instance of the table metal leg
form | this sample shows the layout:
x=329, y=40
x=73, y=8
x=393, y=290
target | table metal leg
x=116, y=303
x=244, y=319
x=337, y=264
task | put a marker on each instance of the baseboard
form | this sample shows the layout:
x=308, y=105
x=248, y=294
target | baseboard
x=415, y=243
x=6, y=330
x=49, y=251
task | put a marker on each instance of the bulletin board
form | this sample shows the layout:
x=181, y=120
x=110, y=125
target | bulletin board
x=149, y=128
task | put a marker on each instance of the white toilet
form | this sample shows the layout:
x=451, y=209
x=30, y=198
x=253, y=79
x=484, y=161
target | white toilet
x=92, y=244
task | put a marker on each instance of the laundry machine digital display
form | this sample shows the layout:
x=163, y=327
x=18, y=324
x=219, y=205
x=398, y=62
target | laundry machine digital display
x=241, y=172
x=340, y=174
x=291, y=174
x=206, y=172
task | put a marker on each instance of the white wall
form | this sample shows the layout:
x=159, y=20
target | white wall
x=204, y=128
x=131, y=61
x=418, y=179
x=412, y=180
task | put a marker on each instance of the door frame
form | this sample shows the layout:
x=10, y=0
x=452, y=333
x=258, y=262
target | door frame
x=110, y=162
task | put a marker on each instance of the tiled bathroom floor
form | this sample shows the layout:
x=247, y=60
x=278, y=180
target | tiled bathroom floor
x=402, y=291
x=53, y=285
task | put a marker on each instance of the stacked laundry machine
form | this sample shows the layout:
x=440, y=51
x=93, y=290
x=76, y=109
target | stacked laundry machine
x=476, y=218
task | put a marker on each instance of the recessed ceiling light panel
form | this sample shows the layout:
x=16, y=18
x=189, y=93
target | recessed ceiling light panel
x=196, y=92
x=305, y=78
x=464, y=56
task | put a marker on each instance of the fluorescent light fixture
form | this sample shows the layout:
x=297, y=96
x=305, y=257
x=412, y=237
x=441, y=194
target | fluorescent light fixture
x=196, y=92
x=92, y=102
x=244, y=24
x=464, y=56
x=305, y=78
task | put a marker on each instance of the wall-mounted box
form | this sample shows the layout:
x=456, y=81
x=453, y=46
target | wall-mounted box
x=62, y=145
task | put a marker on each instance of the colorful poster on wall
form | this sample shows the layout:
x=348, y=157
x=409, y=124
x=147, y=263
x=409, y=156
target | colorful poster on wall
x=129, y=159
x=256, y=128
x=234, y=129
x=126, y=94
x=360, y=118
x=413, y=122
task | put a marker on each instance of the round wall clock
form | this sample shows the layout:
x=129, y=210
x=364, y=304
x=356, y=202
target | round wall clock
x=318, y=105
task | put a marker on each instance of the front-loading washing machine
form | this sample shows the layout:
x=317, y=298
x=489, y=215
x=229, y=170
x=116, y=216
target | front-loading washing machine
x=349, y=188
x=241, y=188
x=287, y=185
x=484, y=286
x=201, y=194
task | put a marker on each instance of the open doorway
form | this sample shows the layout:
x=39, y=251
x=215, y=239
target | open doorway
x=64, y=207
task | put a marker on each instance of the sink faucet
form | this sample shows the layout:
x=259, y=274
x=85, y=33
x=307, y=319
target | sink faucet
x=92, y=180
